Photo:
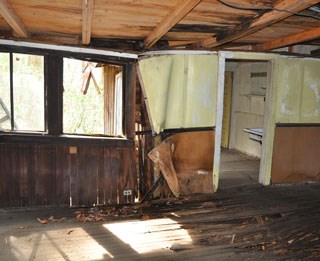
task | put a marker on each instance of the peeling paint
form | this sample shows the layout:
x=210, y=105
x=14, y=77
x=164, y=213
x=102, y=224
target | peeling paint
x=284, y=107
x=314, y=87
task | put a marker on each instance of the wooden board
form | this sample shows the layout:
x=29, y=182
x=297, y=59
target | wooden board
x=113, y=21
x=296, y=153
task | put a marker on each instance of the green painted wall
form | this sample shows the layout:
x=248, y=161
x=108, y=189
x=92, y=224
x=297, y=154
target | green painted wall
x=180, y=90
x=297, y=90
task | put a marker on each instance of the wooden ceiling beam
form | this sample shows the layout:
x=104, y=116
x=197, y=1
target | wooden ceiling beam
x=268, y=18
x=87, y=14
x=289, y=40
x=170, y=20
x=11, y=17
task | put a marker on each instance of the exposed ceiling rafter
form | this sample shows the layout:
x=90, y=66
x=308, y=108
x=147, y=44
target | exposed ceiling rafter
x=11, y=17
x=289, y=40
x=171, y=19
x=87, y=14
x=268, y=18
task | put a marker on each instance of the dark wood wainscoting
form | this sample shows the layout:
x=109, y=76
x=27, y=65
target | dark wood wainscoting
x=47, y=174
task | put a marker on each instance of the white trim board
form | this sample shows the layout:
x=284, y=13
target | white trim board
x=69, y=49
x=219, y=116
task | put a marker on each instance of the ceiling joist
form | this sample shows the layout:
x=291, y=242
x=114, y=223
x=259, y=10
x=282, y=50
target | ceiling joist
x=290, y=40
x=7, y=12
x=268, y=18
x=170, y=20
x=87, y=14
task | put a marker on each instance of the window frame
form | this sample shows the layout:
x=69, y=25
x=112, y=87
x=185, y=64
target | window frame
x=106, y=62
x=10, y=52
x=54, y=89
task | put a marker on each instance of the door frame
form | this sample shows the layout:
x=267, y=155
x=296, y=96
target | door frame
x=264, y=173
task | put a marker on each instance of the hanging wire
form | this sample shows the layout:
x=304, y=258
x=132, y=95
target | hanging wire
x=266, y=8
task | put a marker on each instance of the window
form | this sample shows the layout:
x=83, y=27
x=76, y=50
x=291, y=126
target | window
x=92, y=98
x=22, y=99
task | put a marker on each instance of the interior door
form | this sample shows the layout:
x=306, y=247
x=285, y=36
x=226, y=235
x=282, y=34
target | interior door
x=226, y=110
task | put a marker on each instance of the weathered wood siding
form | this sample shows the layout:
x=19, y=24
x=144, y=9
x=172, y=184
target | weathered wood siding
x=42, y=174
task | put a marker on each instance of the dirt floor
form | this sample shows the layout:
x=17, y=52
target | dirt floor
x=244, y=223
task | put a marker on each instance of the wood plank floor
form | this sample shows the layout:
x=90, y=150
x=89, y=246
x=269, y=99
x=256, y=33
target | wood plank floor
x=244, y=223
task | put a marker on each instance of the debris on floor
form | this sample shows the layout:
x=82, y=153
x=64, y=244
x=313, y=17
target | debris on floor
x=43, y=221
x=51, y=219
x=104, y=213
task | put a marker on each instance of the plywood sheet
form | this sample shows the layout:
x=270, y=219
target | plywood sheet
x=296, y=154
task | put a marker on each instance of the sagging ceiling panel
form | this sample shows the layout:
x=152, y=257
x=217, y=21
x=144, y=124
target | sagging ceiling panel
x=180, y=90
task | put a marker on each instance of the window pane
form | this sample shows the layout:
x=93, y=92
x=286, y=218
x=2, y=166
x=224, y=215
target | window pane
x=28, y=92
x=83, y=106
x=5, y=106
x=92, y=99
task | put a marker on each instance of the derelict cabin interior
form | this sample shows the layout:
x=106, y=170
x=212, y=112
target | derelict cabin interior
x=159, y=130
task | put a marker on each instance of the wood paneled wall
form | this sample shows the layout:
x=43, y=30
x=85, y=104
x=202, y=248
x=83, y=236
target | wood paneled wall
x=45, y=174
x=296, y=154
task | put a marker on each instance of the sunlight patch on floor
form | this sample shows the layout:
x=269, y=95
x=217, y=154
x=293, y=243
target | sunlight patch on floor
x=150, y=235
x=60, y=244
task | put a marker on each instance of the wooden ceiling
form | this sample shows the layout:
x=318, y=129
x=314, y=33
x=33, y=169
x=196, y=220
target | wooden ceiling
x=137, y=25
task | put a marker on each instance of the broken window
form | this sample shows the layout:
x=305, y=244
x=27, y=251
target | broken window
x=92, y=98
x=22, y=92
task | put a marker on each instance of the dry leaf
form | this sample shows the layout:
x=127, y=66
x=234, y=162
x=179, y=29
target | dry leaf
x=43, y=221
x=70, y=231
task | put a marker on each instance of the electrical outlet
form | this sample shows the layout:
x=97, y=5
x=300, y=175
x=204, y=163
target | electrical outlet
x=127, y=192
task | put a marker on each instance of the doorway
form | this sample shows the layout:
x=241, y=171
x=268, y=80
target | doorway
x=245, y=88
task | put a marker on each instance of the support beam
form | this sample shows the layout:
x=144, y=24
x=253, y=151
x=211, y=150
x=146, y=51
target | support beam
x=261, y=22
x=13, y=19
x=171, y=19
x=290, y=40
x=87, y=14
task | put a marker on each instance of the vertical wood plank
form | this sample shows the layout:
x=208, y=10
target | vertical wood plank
x=130, y=98
x=62, y=175
x=87, y=174
x=109, y=95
